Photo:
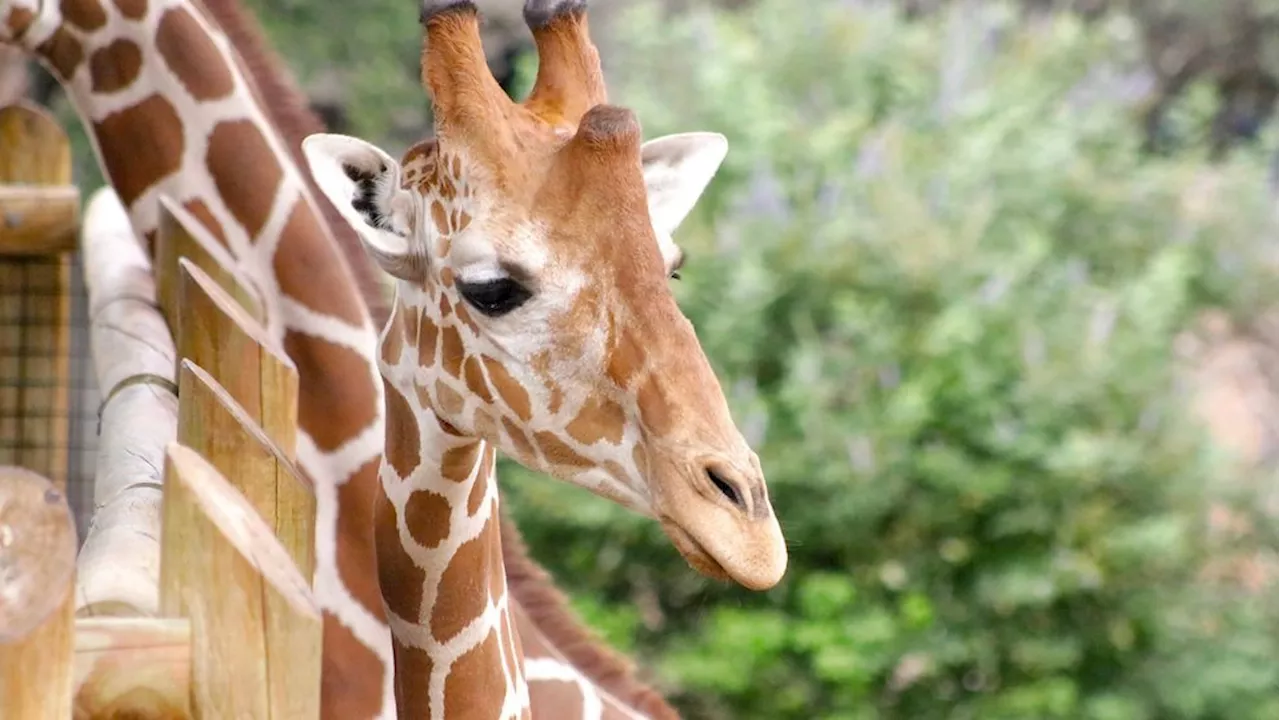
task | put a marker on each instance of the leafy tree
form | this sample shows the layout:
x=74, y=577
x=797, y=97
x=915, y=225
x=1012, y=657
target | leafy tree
x=941, y=284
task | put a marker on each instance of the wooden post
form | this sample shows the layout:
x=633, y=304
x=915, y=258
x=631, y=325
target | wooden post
x=182, y=236
x=214, y=332
x=255, y=626
x=39, y=215
x=134, y=359
x=132, y=667
x=37, y=562
x=213, y=424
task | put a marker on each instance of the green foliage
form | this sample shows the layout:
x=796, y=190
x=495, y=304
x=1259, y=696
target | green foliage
x=941, y=286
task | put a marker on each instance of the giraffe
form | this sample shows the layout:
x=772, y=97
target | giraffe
x=171, y=108
x=529, y=246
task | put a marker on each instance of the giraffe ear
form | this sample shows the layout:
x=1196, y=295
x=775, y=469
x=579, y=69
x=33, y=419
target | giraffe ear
x=677, y=169
x=363, y=183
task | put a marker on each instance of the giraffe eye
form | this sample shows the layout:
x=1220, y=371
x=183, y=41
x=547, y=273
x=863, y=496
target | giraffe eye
x=494, y=297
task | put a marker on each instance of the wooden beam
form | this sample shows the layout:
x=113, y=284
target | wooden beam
x=134, y=359
x=132, y=667
x=213, y=424
x=215, y=333
x=255, y=626
x=38, y=220
x=37, y=562
x=182, y=236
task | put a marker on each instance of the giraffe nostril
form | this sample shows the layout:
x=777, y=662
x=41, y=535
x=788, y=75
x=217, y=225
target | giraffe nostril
x=726, y=488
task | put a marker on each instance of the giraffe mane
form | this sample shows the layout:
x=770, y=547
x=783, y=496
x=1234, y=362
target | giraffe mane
x=291, y=115
x=535, y=590
x=531, y=585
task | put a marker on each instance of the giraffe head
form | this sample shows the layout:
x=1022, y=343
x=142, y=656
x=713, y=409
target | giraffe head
x=531, y=248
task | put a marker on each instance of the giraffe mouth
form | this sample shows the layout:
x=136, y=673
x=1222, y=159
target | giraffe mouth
x=694, y=552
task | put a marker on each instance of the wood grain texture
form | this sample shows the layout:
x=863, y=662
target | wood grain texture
x=132, y=668
x=213, y=424
x=37, y=559
x=218, y=335
x=182, y=236
x=255, y=626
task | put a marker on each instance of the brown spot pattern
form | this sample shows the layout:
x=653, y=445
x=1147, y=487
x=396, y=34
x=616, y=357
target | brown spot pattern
x=509, y=389
x=451, y=402
x=404, y=446
x=598, y=419
x=83, y=14
x=451, y=352
x=141, y=145
x=355, y=553
x=462, y=596
x=556, y=452
x=457, y=462
x=248, y=176
x=335, y=408
x=476, y=496
x=393, y=344
x=204, y=216
x=63, y=51
x=625, y=361
x=400, y=579
x=439, y=217
x=524, y=448
x=497, y=571
x=641, y=460
x=351, y=675
x=427, y=515
x=427, y=334
x=308, y=266
x=413, y=668
x=19, y=20
x=465, y=317
x=655, y=412
x=475, y=379
x=475, y=681
x=485, y=426
x=446, y=277
x=132, y=9
x=424, y=397
x=114, y=67
x=190, y=54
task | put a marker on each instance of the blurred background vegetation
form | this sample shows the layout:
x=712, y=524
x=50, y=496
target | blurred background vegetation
x=992, y=288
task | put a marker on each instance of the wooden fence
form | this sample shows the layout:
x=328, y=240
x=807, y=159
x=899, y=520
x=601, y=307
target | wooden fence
x=191, y=594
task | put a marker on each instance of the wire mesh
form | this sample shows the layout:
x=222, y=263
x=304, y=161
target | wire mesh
x=47, y=390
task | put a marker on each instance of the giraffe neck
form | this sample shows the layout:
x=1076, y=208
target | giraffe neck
x=439, y=548
x=169, y=112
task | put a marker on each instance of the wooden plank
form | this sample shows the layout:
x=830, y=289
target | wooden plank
x=37, y=220
x=37, y=562
x=182, y=236
x=36, y=330
x=255, y=627
x=132, y=667
x=218, y=335
x=134, y=360
x=214, y=425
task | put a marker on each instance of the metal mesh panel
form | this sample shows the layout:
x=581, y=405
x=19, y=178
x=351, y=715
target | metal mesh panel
x=47, y=399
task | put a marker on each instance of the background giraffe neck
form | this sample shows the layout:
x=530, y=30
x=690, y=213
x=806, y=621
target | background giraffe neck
x=169, y=111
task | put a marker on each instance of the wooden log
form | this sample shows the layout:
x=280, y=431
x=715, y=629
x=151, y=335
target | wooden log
x=182, y=236
x=37, y=220
x=213, y=424
x=37, y=559
x=215, y=333
x=132, y=667
x=134, y=359
x=255, y=627
x=35, y=164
